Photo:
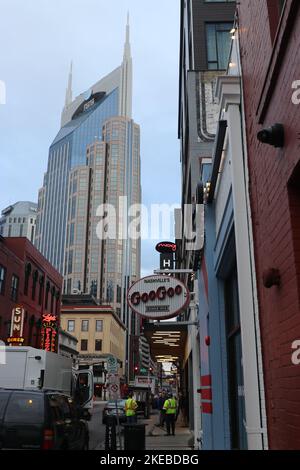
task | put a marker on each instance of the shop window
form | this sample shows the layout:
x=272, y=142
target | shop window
x=234, y=359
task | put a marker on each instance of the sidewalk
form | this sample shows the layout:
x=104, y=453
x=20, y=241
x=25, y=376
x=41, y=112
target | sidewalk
x=157, y=440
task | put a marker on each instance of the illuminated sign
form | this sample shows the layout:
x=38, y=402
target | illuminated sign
x=166, y=247
x=158, y=297
x=15, y=340
x=49, y=332
x=89, y=104
x=17, y=325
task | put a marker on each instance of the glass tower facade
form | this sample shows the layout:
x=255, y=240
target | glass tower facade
x=67, y=151
x=93, y=160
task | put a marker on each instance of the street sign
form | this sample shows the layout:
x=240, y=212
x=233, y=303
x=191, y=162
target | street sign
x=112, y=365
x=113, y=386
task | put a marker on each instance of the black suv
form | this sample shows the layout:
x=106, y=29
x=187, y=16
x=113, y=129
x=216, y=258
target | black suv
x=41, y=420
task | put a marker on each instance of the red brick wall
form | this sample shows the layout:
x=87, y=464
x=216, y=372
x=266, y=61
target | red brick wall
x=13, y=265
x=15, y=253
x=275, y=204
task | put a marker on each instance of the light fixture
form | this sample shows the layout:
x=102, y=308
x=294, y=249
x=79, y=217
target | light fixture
x=274, y=136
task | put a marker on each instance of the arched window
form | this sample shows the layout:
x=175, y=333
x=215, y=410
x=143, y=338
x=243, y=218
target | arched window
x=52, y=298
x=41, y=282
x=47, y=294
x=35, y=277
x=27, y=276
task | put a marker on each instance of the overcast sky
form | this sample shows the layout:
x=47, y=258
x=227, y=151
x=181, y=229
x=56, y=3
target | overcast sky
x=38, y=40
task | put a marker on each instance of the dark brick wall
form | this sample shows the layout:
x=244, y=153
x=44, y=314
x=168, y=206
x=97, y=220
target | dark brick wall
x=275, y=199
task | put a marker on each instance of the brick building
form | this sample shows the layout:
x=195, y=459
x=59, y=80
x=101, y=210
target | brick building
x=269, y=33
x=27, y=280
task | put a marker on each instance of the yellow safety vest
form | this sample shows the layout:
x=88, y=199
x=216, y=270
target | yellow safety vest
x=170, y=406
x=130, y=407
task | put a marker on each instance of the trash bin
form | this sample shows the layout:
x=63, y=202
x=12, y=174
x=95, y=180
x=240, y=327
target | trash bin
x=134, y=437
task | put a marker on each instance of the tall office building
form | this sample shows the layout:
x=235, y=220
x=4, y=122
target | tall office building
x=19, y=220
x=94, y=159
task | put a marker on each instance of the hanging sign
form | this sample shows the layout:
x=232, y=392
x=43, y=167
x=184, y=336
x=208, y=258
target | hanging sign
x=158, y=297
x=49, y=332
x=17, y=325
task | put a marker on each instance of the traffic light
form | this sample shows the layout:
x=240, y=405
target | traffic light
x=151, y=369
x=136, y=369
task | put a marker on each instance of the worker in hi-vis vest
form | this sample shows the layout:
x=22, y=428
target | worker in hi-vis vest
x=170, y=408
x=130, y=408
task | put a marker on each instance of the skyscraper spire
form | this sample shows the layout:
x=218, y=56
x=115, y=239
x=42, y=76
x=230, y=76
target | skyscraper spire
x=69, y=96
x=127, y=49
x=126, y=77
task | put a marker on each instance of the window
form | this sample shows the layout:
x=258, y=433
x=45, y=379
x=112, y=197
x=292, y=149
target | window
x=2, y=279
x=84, y=345
x=14, y=288
x=85, y=325
x=25, y=408
x=41, y=282
x=218, y=42
x=71, y=326
x=34, y=283
x=99, y=325
x=98, y=345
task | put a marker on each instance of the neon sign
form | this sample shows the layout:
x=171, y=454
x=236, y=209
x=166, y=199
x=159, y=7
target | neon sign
x=17, y=325
x=49, y=332
x=166, y=247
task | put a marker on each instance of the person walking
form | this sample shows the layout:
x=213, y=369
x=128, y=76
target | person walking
x=161, y=402
x=130, y=408
x=170, y=407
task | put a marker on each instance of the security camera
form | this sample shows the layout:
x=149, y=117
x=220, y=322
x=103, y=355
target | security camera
x=273, y=136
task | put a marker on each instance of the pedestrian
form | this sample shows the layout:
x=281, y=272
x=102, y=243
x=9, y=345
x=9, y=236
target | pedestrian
x=130, y=408
x=161, y=402
x=170, y=407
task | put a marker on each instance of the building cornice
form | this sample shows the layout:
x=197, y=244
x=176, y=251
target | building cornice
x=228, y=91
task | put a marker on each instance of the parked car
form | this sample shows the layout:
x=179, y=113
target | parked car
x=44, y=420
x=110, y=409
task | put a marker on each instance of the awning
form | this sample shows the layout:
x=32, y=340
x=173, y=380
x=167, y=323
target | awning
x=167, y=340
